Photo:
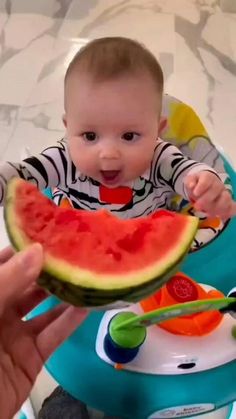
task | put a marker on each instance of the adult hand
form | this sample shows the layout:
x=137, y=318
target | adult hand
x=25, y=345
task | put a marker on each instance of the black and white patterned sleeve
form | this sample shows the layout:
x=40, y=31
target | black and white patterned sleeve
x=170, y=167
x=48, y=169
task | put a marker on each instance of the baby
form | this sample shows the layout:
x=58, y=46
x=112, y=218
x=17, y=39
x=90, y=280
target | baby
x=113, y=98
x=112, y=156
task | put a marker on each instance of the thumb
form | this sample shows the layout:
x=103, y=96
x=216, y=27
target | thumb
x=18, y=273
x=190, y=184
x=233, y=210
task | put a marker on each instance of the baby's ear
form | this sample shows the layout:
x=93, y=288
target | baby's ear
x=162, y=125
x=64, y=120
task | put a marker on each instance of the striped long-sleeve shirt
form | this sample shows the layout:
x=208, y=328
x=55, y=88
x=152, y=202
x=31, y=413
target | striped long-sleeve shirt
x=54, y=168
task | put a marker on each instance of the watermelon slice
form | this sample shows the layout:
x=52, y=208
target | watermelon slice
x=93, y=258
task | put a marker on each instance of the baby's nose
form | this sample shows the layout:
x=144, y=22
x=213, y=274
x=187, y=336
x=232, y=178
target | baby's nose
x=109, y=152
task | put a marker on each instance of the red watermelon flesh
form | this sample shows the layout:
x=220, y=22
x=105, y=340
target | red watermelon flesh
x=95, y=249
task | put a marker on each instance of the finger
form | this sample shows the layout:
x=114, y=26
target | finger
x=207, y=201
x=203, y=184
x=6, y=254
x=59, y=330
x=39, y=323
x=233, y=209
x=18, y=272
x=223, y=206
x=220, y=207
x=33, y=296
x=191, y=182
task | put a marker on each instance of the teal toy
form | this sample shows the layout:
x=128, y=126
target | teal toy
x=77, y=367
x=195, y=384
x=82, y=370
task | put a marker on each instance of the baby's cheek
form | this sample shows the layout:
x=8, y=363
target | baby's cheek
x=72, y=142
x=140, y=161
x=83, y=158
x=76, y=151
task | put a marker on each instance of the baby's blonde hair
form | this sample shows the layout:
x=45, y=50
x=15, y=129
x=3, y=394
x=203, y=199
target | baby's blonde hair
x=110, y=57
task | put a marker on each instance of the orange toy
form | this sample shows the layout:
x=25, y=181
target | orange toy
x=181, y=289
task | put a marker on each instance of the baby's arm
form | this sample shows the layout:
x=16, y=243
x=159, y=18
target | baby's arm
x=196, y=182
x=48, y=169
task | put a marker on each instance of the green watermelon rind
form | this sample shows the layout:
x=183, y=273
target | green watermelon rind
x=75, y=295
x=61, y=279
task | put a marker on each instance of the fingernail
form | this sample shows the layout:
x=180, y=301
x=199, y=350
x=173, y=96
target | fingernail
x=32, y=258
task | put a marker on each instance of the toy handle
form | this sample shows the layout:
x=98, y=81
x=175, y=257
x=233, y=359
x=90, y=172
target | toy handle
x=225, y=305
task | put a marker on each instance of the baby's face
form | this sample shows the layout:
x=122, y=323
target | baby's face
x=112, y=127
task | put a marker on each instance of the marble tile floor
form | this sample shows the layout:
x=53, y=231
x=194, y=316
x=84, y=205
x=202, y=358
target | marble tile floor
x=193, y=39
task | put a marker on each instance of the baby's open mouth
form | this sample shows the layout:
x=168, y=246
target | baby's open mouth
x=110, y=176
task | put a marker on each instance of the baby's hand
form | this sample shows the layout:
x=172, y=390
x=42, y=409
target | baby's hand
x=209, y=195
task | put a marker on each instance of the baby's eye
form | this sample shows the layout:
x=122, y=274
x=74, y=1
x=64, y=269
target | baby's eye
x=130, y=136
x=89, y=136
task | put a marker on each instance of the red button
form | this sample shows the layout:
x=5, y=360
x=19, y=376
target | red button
x=182, y=289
